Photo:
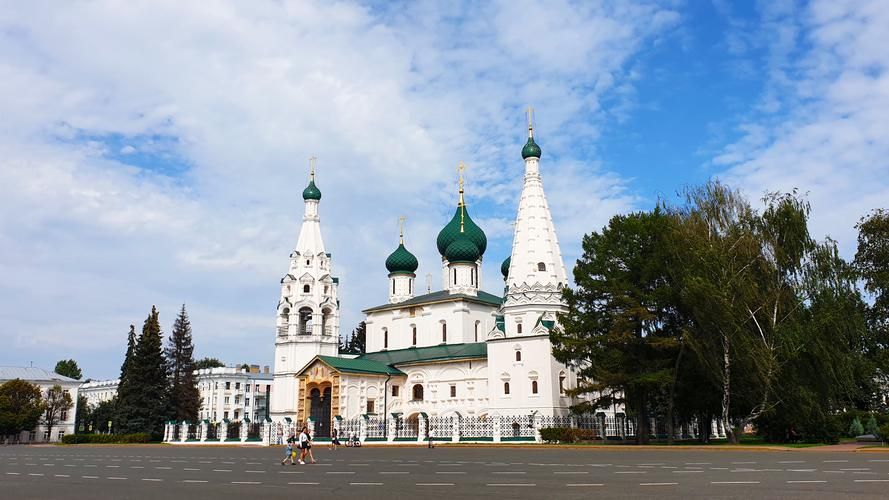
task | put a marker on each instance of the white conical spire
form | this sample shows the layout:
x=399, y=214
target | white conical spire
x=536, y=264
x=310, y=241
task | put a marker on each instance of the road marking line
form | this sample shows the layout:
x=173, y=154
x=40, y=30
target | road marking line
x=695, y=463
x=246, y=482
x=399, y=472
x=734, y=482
x=861, y=468
x=571, y=472
x=116, y=478
x=686, y=471
x=151, y=479
x=221, y=470
x=366, y=484
x=631, y=472
x=509, y=472
x=792, y=462
x=255, y=471
x=511, y=484
x=61, y=475
x=807, y=481
x=304, y=483
x=872, y=480
x=658, y=484
x=835, y=461
x=800, y=470
x=90, y=477
x=13, y=473
x=291, y=472
x=580, y=485
x=742, y=463
x=190, y=469
x=434, y=484
x=340, y=472
x=161, y=468
x=33, y=474
x=194, y=481
x=448, y=472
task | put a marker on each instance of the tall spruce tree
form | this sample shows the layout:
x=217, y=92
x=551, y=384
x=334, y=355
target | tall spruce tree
x=124, y=402
x=147, y=379
x=184, y=395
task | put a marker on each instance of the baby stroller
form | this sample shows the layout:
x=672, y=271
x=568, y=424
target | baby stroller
x=353, y=441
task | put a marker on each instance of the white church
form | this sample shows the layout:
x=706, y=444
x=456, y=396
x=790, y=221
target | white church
x=458, y=351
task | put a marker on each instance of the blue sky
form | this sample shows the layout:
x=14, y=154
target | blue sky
x=154, y=152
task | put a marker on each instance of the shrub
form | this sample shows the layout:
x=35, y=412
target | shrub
x=142, y=437
x=855, y=428
x=883, y=432
x=872, y=427
x=557, y=434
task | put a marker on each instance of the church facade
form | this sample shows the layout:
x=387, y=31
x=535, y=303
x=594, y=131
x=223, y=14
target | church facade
x=457, y=351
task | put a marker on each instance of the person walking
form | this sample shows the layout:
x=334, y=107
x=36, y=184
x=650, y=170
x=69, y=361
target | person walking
x=290, y=452
x=305, y=445
x=334, y=440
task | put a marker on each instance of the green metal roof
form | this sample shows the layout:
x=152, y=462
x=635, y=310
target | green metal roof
x=462, y=249
x=442, y=352
x=441, y=296
x=451, y=232
x=359, y=365
x=504, y=268
x=531, y=149
x=402, y=261
x=311, y=192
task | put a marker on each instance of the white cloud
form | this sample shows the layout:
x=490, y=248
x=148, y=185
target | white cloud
x=833, y=141
x=241, y=94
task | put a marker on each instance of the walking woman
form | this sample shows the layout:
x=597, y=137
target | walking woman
x=334, y=440
x=305, y=444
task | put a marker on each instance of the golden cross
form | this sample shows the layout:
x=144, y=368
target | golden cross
x=530, y=121
x=401, y=227
x=460, y=169
x=312, y=166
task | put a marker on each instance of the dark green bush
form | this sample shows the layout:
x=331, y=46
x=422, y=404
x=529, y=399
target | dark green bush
x=142, y=437
x=566, y=434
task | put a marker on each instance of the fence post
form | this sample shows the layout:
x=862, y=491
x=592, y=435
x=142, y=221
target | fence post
x=337, y=426
x=222, y=430
x=362, y=428
x=422, y=427
x=245, y=428
x=496, y=432
x=391, y=428
x=183, y=432
x=266, y=431
x=203, y=430
x=538, y=423
x=167, y=432
x=455, y=428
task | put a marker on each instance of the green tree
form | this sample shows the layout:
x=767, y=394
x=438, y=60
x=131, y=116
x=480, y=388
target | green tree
x=855, y=428
x=147, y=379
x=56, y=406
x=84, y=415
x=358, y=341
x=872, y=262
x=623, y=322
x=102, y=418
x=127, y=387
x=871, y=427
x=205, y=363
x=21, y=406
x=184, y=394
x=68, y=368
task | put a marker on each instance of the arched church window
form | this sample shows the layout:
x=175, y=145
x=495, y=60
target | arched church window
x=308, y=262
x=541, y=266
x=417, y=392
x=476, y=331
x=506, y=388
x=518, y=328
x=444, y=332
x=533, y=387
x=306, y=288
x=414, y=335
x=410, y=286
x=472, y=276
x=561, y=382
x=393, y=287
x=518, y=355
x=385, y=338
x=455, y=276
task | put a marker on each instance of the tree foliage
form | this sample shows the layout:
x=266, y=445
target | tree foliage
x=144, y=404
x=205, y=363
x=68, y=368
x=357, y=342
x=55, y=407
x=21, y=406
x=184, y=394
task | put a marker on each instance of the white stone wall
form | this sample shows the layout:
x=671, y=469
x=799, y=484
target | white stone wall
x=461, y=318
x=536, y=364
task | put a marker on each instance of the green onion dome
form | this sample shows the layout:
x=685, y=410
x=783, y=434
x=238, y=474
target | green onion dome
x=311, y=192
x=531, y=149
x=451, y=232
x=462, y=250
x=401, y=261
x=504, y=268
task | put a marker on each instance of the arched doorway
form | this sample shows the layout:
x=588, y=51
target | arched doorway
x=320, y=411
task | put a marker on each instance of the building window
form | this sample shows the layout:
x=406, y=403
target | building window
x=237, y=399
x=308, y=262
x=236, y=414
x=228, y=385
x=518, y=328
x=444, y=332
x=541, y=266
x=418, y=392
x=506, y=388
x=414, y=336
x=518, y=355
x=410, y=287
x=237, y=386
x=63, y=416
x=224, y=415
x=561, y=383
x=226, y=400
x=472, y=276
x=247, y=387
x=370, y=406
x=453, y=391
x=533, y=387
x=306, y=288
x=476, y=331
x=394, y=391
x=393, y=287
x=385, y=339
x=246, y=401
